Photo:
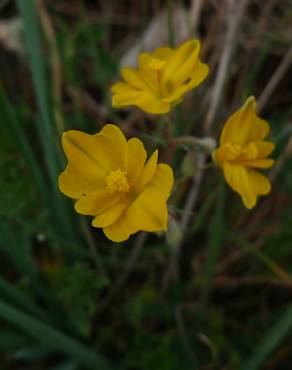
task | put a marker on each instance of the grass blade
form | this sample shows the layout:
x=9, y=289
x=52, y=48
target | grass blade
x=273, y=337
x=215, y=242
x=11, y=294
x=44, y=128
x=11, y=125
x=33, y=46
x=53, y=338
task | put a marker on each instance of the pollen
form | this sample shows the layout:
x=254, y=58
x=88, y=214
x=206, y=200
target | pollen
x=116, y=182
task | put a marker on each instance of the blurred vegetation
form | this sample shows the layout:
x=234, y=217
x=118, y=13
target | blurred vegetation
x=70, y=299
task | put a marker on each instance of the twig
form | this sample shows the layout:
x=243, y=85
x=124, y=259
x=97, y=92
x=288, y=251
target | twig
x=193, y=194
x=235, y=13
x=231, y=281
x=195, y=11
x=277, y=167
x=183, y=334
x=275, y=79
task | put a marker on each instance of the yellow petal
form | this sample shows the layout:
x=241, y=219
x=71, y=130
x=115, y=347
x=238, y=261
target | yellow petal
x=162, y=180
x=148, y=73
x=148, y=170
x=179, y=57
x=244, y=126
x=149, y=211
x=120, y=230
x=260, y=184
x=136, y=157
x=96, y=202
x=247, y=182
x=85, y=171
x=259, y=130
x=144, y=61
x=102, y=150
x=176, y=95
x=222, y=154
x=110, y=215
x=188, y=66
x=148, y=215
x=90, y=158
x=238, y=179
x=259, y=163
x=264, y=148
x=163, y=53
x=119, y=87
x=135, y=79
x=142, y=99
x=199, y=74
x=79, y=180
x=114, y=144
x=192, y=72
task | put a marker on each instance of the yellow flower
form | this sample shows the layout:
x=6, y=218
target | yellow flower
x=162, y=78
x=110, y=179
x=242, y=150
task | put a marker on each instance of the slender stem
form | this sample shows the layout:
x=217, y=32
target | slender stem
x=275, y=79
x=183, y=333
x=136, y=250
x=195, y=11
x=193, y=194
x=234, y=16
x=92, y=246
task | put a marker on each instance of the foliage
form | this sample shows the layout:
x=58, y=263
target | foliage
x=72, y=300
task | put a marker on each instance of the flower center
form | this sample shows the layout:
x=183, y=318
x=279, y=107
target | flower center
x=158, y=65
x=116, y=182
x=235, y=152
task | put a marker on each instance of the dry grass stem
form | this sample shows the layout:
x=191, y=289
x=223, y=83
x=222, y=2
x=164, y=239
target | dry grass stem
x=230, y=281
x=234, y=16
x=275, y=79
x=195, y=11
x=281, y=160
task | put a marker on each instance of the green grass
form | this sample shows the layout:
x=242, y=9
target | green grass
x=230, y=307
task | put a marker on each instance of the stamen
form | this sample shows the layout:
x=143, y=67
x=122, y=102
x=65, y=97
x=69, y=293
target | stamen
x=117, y=182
